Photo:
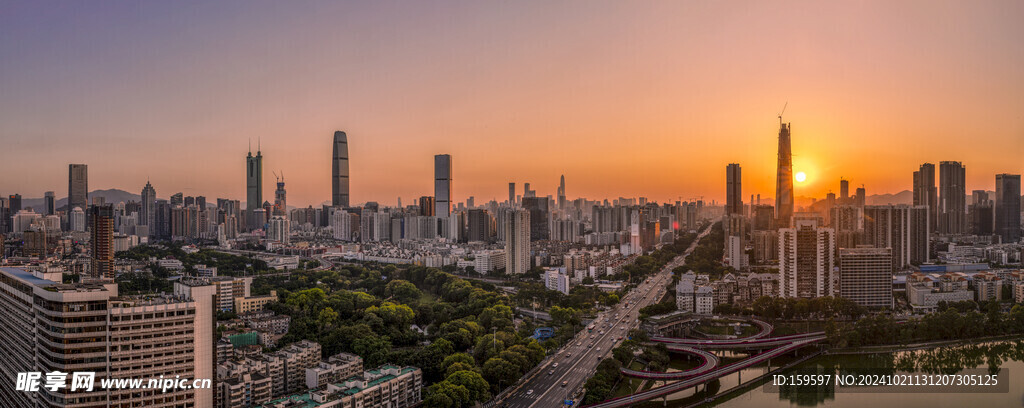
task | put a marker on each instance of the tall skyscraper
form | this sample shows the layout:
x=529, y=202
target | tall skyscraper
x=148, y=212
x=479, y=225
x=538, y=208
x=511, y=194
x=253, y=186
x=861, y=199
x=426, y=206
x=925, y=192
x=784, y=178
x=442, y=185
x=733, y=189
x=865, y=276
x=339, y=172
x=78, y=186
x=101, y=241
x=49, y=203
x=952, y=196
x=844, y=191
x=1007, y=207
x=517, y=241
x=806, y=260
x=14, y=203
x=561, y=193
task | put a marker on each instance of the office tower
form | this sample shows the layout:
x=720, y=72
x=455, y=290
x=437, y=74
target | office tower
x=76, y=220
x=49, y=203
x=861, y=199
x=78, y=186
x=561, y=193
x=982, y=217
x=952, y=197
x=806, y=260
x=517, y=241
x=253, y=185
x=766, y=245
x=161, y=220
x=902, y=228
x=1007, y=207
x=527, y=192
x=538, y=208
x=120, y=337
x=427, y=206
x=280, y=199
x=844, y=190
x=101, y=241
x=279, y=229
x=826, y=211
x=442, y=185
x=979, y=197
x=511, y=194
x=339, y=172
x=733, y=189
x=784, y=178
x=865, y=276
x=148, y=213
x=177, y=199
x=14, y=203
x=925, y=192
x=479, y=225
x=764, y=218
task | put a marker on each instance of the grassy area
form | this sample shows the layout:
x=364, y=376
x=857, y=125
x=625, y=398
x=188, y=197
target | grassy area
x=785, y=329
x=724, y=327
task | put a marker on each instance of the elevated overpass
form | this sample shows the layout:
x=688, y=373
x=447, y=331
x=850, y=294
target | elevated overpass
x=675, y=387
x=709, y=362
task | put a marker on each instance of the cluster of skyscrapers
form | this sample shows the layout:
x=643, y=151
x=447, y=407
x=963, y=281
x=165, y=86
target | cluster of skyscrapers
x=840, y=246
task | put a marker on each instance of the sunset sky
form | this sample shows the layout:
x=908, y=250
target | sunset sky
x=626, y=98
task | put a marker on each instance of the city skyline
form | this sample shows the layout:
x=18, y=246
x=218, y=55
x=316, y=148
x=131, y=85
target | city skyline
x=640, y=122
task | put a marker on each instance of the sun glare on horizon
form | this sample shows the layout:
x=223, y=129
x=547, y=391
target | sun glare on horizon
x=801, y=177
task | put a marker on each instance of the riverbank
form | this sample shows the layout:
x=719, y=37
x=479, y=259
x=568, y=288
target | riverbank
x=894, y=348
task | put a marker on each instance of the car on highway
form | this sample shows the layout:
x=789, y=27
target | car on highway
x=550, y=372
x=528, y=392
x=567, y=355
x=555, y=365
x=565, y=383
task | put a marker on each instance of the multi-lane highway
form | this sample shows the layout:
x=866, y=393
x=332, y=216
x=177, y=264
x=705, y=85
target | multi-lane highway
x=561, y=375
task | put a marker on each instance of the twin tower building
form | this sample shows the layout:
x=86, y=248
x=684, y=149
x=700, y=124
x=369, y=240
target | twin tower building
x=339, y=175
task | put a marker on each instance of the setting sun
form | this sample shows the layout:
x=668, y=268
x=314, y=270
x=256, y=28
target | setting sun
x=801, y=177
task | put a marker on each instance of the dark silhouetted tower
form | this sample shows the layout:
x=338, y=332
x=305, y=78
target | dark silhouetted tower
x=784, y=178
x=339, y=172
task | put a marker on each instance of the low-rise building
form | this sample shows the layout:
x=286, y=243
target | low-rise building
x=243, y=390
x=987, y=286
x=251, y=304
x=924, y=292
x=388, y=386
x=336, y=368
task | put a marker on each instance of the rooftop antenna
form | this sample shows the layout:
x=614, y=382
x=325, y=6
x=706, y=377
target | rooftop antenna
x=783, y=111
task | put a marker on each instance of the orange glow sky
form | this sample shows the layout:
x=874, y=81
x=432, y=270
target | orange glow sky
x=623, y=98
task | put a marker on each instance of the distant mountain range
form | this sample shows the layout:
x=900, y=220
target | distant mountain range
x=112, y=196
x=902, y=197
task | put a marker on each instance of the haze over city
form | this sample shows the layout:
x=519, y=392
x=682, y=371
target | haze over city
x=624, y=99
